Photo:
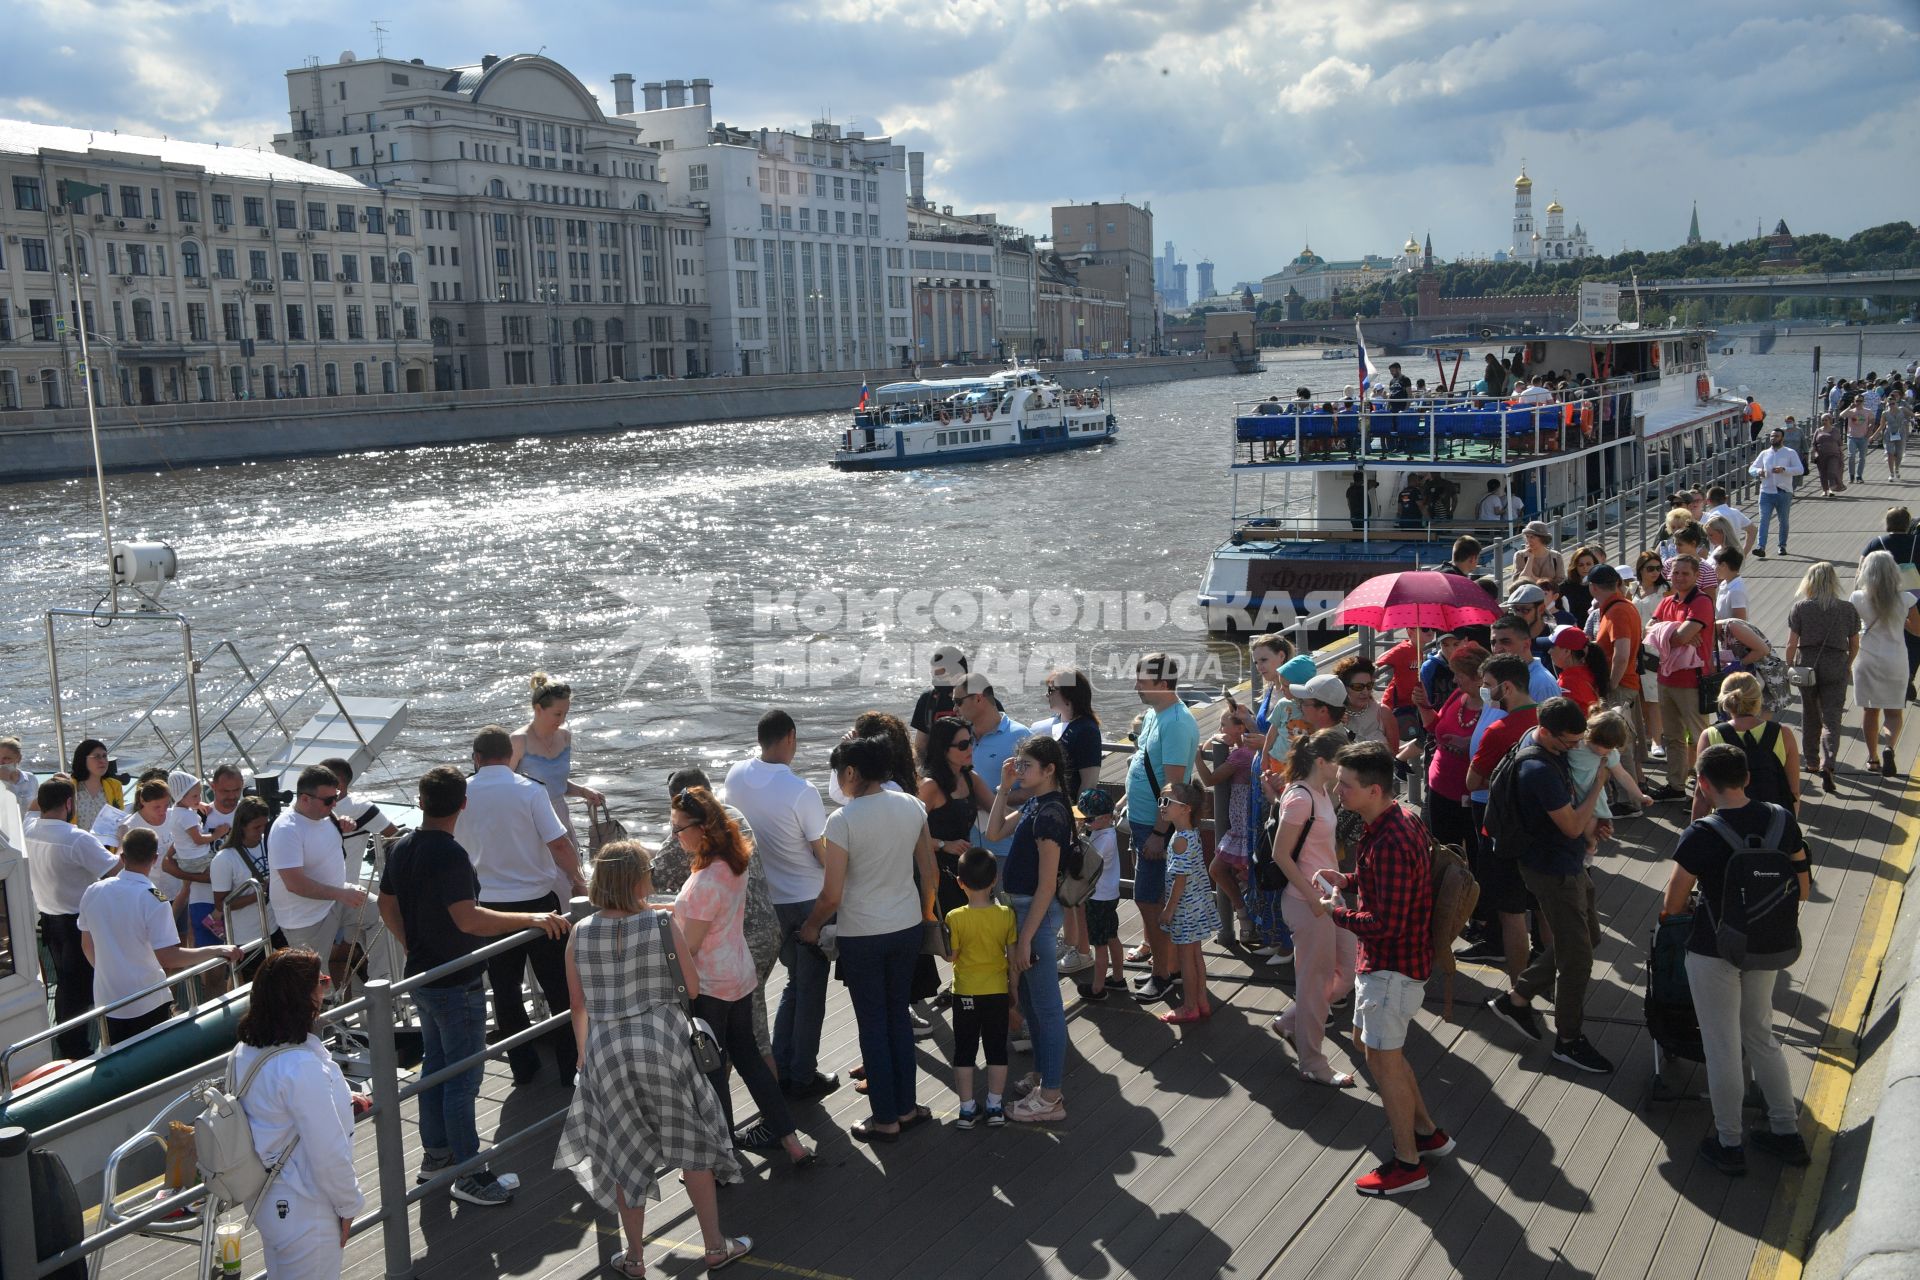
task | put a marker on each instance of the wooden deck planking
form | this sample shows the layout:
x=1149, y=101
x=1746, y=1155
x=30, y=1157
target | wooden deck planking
x=1195, y=1152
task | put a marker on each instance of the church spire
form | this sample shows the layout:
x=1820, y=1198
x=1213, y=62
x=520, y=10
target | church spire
x=1693, y=230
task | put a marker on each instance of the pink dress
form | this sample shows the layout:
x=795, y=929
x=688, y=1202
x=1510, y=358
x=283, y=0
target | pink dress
x=1238, y=772
x=716, y=895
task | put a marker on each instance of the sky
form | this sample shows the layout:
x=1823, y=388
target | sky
x=1252, y=127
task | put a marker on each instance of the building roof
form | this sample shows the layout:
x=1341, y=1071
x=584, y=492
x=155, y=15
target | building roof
x=1523, y=180
x=26, y=138
x=1556, y=207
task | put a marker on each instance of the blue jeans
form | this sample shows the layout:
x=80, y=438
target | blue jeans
x=1774, y=504
x=1040, y=993
x=453, y=1025
x=1856, y=457
x=803, y=1003
x=879, y=973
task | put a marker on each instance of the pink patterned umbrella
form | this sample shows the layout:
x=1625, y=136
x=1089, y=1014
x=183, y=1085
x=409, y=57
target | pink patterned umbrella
x=1417, y=598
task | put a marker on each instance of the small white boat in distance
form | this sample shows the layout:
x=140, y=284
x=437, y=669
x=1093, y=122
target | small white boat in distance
x=1002, y=415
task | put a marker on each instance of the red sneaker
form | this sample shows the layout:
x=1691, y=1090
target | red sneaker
x=1437, y=1143
x=1390, y=1179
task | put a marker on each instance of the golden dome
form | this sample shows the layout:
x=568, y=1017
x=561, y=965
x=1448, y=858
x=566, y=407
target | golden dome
x=1523, y=180
x=1555, y=207
x=1411, y=246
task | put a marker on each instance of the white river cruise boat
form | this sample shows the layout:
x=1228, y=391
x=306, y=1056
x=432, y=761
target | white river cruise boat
x=1317, y=486
x=1002, y=415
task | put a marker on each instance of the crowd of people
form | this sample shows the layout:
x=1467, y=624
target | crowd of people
x=933, y=883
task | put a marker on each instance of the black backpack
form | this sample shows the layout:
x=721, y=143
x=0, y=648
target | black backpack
x=1756, y=923
x=1506, y=825
x=1766, y=776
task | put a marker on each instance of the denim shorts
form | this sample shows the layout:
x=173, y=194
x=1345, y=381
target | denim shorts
x=1149, y=874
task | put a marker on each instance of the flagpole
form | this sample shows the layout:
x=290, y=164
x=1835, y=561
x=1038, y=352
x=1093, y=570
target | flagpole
x=93, y=421
x=1366, y=413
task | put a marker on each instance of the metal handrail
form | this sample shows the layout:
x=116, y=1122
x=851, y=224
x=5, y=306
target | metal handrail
x=190, y=676
x=166, y=694
x=100, y=1013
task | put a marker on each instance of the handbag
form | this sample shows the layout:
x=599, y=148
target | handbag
x=1712, y=676
x=602, y=828
x=700, y=1038
x=936, y=940
x=1801, y=677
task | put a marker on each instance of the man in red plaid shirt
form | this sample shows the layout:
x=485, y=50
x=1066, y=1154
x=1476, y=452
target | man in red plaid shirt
x=1393, y=874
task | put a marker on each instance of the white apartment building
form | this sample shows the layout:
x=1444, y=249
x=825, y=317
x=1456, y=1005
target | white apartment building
x=807, y=268
x=204, y=273
x=553, y=252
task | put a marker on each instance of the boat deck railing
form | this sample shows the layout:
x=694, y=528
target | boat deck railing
x=187, y=978
x=258, y=714
x=375, y=1015
x=1470, y=430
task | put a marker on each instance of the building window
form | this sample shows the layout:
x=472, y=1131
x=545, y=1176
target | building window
x=382, y=323
x=296, y=324
x=26, y=195
x=330, y=379
x=316, y=216
x=323, y=323
x=255, y=208
x=356, y=323
x=142, y=320
x=286, y=215
x=33, y=254
x=376, y=220
x=224, y=261
x=230, y=329
x=402, y=222
x=206, y=383
x=197, y=322
x=223, y=209
x=378, y=266
x=257, y=264
x=263, y=321
x=359, y=379
x=188, y=205
x=289, y=266
x=343, y=217
x=137, y=260
x=321, y=271
x=129, y=202
x=350, y=267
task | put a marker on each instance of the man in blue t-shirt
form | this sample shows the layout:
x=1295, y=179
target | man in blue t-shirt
x=1164, y=751
x=995, y=735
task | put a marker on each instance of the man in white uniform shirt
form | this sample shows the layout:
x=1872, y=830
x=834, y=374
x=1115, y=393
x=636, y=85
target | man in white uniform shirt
x=308, y=870
x=517, y=843
x=789, y=823
x=62, y=863
x=127, y=930
x=1777, y=466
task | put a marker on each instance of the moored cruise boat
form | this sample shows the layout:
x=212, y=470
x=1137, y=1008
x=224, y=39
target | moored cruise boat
x=1316, y=485
x=1003, y=415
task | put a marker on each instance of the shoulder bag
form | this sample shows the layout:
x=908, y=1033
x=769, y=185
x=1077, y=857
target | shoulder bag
x=1154, y=847
x=700, y=1038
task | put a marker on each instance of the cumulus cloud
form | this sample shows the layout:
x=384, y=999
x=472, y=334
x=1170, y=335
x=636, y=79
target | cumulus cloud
x=1249, y=124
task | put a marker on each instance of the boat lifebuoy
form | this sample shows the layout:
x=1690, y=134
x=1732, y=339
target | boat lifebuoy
x=966, y=415
x=946, y=415
x=988, y=415
x=1703, y=387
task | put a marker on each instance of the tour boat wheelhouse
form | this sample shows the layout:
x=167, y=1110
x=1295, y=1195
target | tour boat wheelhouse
x=1003, y=415
x=1297, y=545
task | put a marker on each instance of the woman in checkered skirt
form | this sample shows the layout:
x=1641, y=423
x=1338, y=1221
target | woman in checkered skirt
x=641, y=1105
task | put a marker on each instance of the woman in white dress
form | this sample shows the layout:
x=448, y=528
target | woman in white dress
x=1880, y=667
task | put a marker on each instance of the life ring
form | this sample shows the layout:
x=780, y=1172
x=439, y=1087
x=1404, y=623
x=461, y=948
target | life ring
x=946, y=415
x=966, y=415
x=988, y=415
x=1703, y=387
x=1536, y=353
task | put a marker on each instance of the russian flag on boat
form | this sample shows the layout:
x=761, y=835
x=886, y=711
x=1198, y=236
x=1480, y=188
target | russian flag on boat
x=1366, y=365
x=865, y=391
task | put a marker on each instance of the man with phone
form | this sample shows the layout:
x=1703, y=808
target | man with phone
x=1778, y=468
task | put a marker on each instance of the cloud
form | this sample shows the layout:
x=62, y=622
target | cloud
x=1246, y=123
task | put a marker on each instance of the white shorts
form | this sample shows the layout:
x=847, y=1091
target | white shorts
x=1384, y=1005
x=300, y=1238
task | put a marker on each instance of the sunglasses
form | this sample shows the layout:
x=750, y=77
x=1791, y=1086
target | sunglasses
x=960, y=744
x=1359, y=688
x=328, y=801
x=684, y=826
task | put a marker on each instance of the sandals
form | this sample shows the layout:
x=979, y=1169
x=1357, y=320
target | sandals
x=1140, y=954
x=624, y=1264
x=865, y=1132
x=1340, y=1080
x=736, y=1248
x=1179, y=1016
x=919, y=1117
x=805, y=1161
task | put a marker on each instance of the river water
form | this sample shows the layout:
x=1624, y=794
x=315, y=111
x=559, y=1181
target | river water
x=682, y=580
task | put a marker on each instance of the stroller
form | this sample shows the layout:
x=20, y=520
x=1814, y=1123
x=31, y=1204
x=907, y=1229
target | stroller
x=1669, y=1006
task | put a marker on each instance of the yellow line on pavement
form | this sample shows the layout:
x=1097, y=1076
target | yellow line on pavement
x=1796, y=1199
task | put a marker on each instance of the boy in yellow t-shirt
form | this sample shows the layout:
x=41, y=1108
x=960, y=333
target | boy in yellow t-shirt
x=984, y=932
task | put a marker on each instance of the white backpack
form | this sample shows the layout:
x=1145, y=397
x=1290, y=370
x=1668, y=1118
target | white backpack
x=229, y=1163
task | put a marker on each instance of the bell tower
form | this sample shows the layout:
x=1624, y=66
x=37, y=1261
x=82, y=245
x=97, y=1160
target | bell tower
x=1522, y=215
